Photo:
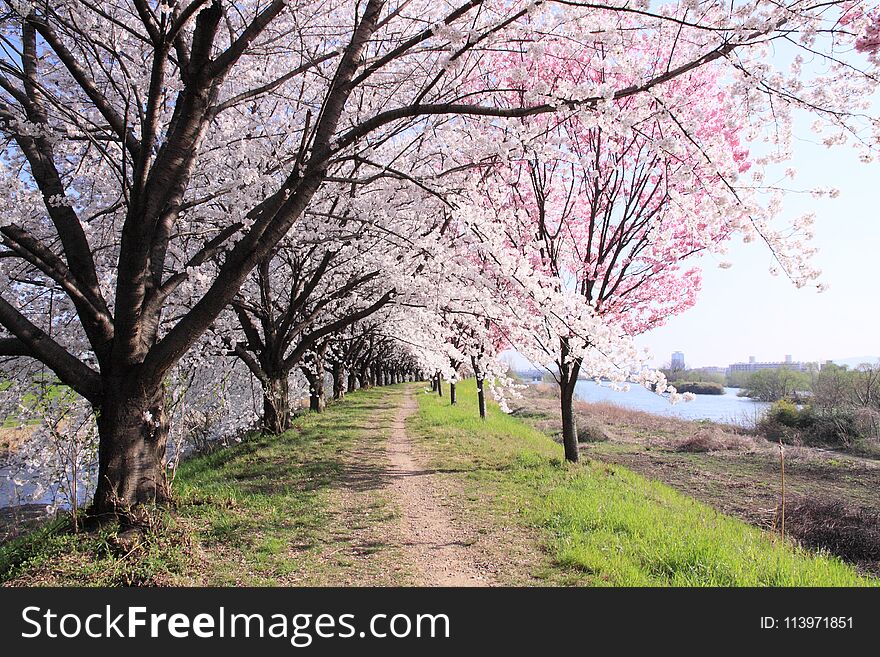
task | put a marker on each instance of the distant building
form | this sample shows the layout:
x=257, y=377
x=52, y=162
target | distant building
x=754, y=366
x=677, y=360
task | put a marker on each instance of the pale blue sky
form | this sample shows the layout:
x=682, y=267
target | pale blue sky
x=745, y=311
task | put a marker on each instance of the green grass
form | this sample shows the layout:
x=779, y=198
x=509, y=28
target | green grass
x=254, y=514
x=262, y=513
x=602, y=524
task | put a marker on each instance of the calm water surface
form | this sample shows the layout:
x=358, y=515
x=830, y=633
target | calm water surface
x=720, y=408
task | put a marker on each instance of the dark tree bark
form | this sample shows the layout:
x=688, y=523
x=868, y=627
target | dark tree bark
x=568, y=376
x=352, y=380
x=133, y=432
x=313, y=370
x=338, y=380
x=276, y=404
x=439, y=385
x=481, y=392
x=452, y=399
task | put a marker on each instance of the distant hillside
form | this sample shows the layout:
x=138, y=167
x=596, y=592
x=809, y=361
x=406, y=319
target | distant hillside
x=855, y=361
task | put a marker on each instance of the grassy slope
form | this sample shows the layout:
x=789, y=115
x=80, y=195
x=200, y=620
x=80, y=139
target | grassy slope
x=263, y=513
x=603, y=524
x=255, y=514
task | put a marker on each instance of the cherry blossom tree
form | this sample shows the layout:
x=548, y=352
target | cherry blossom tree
x=303, y=301
x=157, y=152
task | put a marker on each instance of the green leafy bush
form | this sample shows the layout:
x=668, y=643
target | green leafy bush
x=699, y=387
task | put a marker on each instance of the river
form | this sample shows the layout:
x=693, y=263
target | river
x=727, y=408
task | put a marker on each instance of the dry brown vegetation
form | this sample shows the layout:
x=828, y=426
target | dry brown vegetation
x=11, y=438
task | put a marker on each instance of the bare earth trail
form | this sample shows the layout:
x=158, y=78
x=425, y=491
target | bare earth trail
x=395, y=521
x=443, y=553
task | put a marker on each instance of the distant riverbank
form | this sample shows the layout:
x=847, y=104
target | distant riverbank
x=727, y=408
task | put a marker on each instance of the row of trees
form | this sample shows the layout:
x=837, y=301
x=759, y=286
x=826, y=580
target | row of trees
x=385, y=189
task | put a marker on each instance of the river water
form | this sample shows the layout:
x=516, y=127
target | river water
x=727, y=408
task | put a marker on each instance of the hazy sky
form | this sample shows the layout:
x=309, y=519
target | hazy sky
x=744, y=311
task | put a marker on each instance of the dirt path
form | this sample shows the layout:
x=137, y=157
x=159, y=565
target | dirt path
x=442, y=553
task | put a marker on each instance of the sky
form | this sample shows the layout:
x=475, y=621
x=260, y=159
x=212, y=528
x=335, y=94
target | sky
x=745, y=311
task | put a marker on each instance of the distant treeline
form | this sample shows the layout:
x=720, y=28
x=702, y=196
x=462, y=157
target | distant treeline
x=835, y=405
x=697, y=381
x=832, y=404
x=699, y=387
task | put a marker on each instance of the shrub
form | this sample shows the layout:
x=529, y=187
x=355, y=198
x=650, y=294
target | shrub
x=833, y=426
x=713, y=440
x=786, y=422
x=786, y=413
x=850, y=532
x=837, y=427
x=592, y=432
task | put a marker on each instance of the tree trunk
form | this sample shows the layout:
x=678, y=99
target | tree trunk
x=569, y=422
x=434, y=384
x=439, y=385
x=316, y=391
x=481, y=388
x=568, y=376
x=133, y=432
x=452, y=399
x=276, y=404
x=338, y=380
x=352, y=381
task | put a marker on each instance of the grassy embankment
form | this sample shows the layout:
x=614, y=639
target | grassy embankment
x=259, y=513
x=268, y=512
x=603, y=524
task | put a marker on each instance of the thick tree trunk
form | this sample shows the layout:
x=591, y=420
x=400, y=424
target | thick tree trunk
x=439, y=384
x=352, y=381
x=452, y=399
x=133, y=432
x=338, y=380
x=276, y=404
x=434, y=384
